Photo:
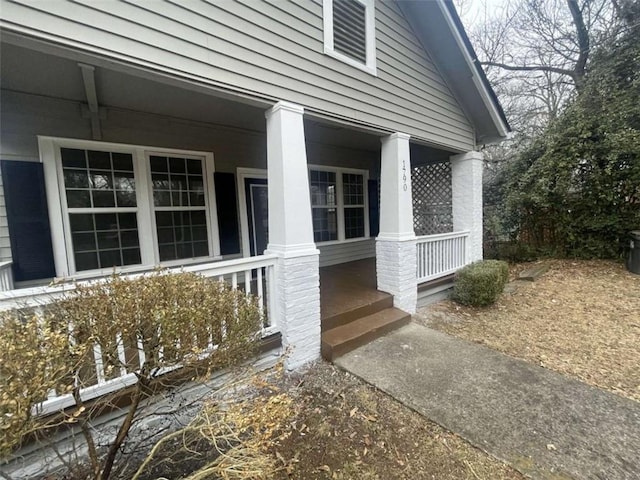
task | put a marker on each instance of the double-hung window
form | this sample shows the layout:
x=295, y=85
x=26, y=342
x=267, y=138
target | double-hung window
x=338, y=204
x=126, y=206
x=353, y=194
x=179, y=207
x=324, y=205
x=100, y=194
x=349, y=32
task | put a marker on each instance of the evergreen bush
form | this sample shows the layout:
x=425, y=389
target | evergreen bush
x=480, y=283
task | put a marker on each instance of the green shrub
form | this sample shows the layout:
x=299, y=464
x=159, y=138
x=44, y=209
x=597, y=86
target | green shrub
x=480, y=283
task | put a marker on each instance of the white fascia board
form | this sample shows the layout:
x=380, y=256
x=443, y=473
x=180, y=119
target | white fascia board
x=480, y=86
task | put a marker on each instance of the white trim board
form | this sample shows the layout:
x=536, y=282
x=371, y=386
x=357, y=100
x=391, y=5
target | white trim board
x=49, y=151
x=242, y=174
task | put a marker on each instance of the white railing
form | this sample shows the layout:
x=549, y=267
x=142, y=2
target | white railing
x=441, y=255
x=6, y=276
x=253, y=275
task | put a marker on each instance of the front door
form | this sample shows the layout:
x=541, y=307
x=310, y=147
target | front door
x=257, y=214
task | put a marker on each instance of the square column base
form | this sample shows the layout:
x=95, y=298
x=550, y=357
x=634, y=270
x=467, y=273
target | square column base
x=298, y=308
x=396, y=272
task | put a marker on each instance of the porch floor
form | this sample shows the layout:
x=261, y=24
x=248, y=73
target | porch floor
x=353, y=312
x=348, y=286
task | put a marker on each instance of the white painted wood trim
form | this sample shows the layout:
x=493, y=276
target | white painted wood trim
x=340, y=201
x=258, y=173
x=479, y=84
x=370, y=35
x=242, y=174
x=49, y=149
x=146, y=218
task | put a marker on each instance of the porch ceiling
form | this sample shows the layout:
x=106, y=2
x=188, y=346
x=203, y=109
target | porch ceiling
x=33, y=72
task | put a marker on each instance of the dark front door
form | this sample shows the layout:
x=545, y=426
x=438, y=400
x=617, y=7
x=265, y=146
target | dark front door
x=257, y=214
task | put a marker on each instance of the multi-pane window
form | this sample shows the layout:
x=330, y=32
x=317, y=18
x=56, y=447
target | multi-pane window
x=179, y=204
x=338, y=207
x=127, y=208
x=323, y=205
x=353, y=194
x=100, y=191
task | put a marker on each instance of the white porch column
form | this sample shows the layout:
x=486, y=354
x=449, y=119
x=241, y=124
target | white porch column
x=291, y=235
x=396, y=242
x=466, y=182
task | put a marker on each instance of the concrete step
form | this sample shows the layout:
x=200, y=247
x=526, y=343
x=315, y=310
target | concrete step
x=344, y=338
x=382, y=302
x=533, y=273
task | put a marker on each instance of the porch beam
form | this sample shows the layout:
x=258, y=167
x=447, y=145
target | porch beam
x=396, y=243
x=297, y=300
x=89, y=81
x=466, y=184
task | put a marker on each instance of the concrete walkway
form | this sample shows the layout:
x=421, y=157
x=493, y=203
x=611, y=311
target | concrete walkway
x=546, y=425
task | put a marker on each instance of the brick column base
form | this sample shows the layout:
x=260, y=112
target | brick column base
x=298, y=305
x=396, y=272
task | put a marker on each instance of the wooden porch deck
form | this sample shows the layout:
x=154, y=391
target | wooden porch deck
x=352, y=310
x=347, y=286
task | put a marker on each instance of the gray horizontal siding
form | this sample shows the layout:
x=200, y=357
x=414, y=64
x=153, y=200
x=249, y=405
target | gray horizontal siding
x=272, y=49
x=26, y=116
x=346, y=252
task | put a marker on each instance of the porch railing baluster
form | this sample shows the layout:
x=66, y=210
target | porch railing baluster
x=440, y=255
x=103, y=382
x=6, y=276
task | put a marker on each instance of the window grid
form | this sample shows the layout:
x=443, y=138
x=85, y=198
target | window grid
x=179, y=205
x=105, y=210
x=98, y=179
x=177, y=182
x=353, y=222
x=323, y=205
x=338, y=207
x=353, y=195
x=100, y=192
x=181, y=234
x=104, y=240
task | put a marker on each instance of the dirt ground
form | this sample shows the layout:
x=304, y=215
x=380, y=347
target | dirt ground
x=346, y=429
x=581, y=318
x=325, y=423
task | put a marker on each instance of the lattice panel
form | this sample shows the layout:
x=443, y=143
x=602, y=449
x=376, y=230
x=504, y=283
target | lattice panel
x=431, y=189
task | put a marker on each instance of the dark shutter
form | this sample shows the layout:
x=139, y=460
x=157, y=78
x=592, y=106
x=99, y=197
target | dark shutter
x=350, y=29
x=28, y=220
x=225, y=185
x=374, y=208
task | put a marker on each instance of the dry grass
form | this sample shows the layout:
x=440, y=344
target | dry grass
x=582, y=318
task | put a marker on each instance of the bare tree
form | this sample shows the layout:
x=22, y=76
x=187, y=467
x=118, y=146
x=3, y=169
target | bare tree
x=536, y=52
x=551, y=36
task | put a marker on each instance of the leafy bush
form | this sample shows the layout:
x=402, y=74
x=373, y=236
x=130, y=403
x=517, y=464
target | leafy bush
x=480, y=283
x=575, y=190
x=176, y=319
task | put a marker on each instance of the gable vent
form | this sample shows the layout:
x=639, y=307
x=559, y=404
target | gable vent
x=349, y=29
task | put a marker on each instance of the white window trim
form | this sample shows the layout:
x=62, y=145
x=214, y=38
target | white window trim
x=340, y=206
x=49, y=149
x=370, y=34
x=241, y=174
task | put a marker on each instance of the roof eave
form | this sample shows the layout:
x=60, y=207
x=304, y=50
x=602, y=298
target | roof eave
x=438, y=27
